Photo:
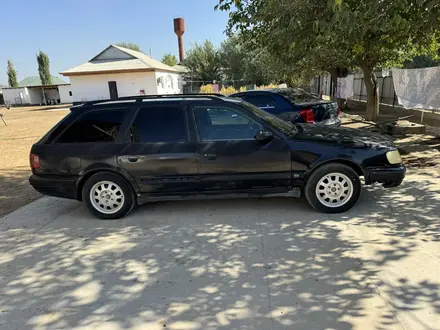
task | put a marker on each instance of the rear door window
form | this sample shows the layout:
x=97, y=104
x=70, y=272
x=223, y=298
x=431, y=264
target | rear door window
x=260, y=101
x=160, y=124
x=95, y=126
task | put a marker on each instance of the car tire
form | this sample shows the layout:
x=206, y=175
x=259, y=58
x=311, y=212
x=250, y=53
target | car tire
x=333, y=188
x=108, y=196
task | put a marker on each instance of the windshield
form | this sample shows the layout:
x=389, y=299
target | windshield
x=284, y=126
x=297, y=95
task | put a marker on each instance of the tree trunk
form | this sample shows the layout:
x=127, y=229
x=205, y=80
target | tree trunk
x=372, y=93
x=334, y=89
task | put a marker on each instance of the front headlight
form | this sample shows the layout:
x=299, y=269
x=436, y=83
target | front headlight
x=394, y=157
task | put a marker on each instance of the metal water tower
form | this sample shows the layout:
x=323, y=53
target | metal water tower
x=179, y=29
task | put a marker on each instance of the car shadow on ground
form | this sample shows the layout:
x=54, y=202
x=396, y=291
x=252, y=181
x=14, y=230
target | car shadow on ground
x=15, y=190
x=226, y=264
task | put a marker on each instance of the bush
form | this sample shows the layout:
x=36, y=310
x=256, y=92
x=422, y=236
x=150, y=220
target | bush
x=231, y=90
x=206, y=89
x=228, y=91
x=267, y=86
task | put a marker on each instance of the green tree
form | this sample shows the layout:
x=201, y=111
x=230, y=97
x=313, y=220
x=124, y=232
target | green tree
x=12, y=75
x=203, y=61
x=261, y=68
x=43, y=68
x=324, y=35
x=245, y=65
x=233, y=59
x=235, y=62
x=169, y=59
x=421, y=61
x=129, y=45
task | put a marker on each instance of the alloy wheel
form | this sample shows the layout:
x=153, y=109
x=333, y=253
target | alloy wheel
x=107, y=197
x=334, y=189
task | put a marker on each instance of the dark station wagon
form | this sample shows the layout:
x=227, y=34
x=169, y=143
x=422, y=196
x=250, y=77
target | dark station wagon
x=114, y=155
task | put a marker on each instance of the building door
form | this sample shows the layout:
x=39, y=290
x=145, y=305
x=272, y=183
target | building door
x=113, y=89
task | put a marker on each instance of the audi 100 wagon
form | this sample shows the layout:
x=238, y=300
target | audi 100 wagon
x=114, y=155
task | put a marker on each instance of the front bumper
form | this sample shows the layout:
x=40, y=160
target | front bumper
x=389, y=176
x=55, y=185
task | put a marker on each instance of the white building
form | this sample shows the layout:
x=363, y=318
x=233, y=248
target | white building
x=31, y=91
x=118, y=72
x=2, y=101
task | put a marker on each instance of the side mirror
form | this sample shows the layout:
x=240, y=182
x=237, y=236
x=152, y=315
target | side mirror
x=264, y=136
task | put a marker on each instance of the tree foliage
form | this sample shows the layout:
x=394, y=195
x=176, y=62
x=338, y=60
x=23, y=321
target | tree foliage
x=421, y=61
x=129, y=45
x=237, y=63
x=169, y=59
x=234, y=60
x=322, y=35
x=43, y=68
x=203, y=61
x=242, y=63
x=12, y=75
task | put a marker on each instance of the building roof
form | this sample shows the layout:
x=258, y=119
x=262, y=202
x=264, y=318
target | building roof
x=181, y=68
x=36, y=81
x=115, y=59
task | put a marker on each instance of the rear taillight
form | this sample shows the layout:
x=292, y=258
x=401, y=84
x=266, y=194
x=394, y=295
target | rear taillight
x=307, y=115
x=34, y=160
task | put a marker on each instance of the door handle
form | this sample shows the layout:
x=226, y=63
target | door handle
x=132, y=159
x=210, y=156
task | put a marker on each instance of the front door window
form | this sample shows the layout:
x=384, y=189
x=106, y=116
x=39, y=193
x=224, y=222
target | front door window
x=224, y=124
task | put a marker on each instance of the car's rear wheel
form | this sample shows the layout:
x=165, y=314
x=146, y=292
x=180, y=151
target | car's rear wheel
x=108, y=196
x=333, y=188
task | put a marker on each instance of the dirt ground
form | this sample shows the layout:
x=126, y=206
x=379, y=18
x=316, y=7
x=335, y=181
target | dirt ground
x=25, y=126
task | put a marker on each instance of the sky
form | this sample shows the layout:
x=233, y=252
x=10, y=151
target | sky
x=73, y=32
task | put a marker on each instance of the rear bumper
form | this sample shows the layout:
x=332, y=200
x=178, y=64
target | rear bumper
x=334, y=122
x=295, y=117
x=389, y=177
x=53, y=185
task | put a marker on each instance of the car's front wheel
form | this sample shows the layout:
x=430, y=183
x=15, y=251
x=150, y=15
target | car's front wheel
x=108, y=196
x=333, y=188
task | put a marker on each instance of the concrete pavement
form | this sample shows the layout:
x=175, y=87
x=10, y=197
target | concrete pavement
x=227, y=264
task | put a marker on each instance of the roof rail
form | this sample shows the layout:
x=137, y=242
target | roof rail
x=139, y=98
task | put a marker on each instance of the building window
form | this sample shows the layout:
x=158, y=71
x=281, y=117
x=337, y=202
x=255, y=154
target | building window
x=160, y=82
x=169, y=81
x=70, y=93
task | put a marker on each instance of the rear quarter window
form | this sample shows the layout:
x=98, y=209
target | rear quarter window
x=52, y=134
x=297, y=95
x=260, y=101
x=95, y=126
